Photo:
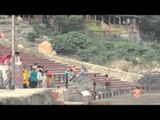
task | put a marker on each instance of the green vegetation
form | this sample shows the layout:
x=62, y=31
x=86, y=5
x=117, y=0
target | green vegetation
x=91, y=50
x=72, y=40
x=71, y=23
x=40, y=30
x=96, y=26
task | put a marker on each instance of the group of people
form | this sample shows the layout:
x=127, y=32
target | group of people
x=74, y=72
x=35, y=76
x=107, y=84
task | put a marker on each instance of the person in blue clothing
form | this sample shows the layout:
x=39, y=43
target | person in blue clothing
x=33, y=78
x=68, y=73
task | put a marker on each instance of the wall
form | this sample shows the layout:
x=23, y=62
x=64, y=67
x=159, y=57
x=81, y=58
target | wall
x=31, y=97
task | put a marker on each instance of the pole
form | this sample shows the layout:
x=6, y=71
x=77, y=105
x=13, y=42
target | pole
x=67, y=81
x=13, y=53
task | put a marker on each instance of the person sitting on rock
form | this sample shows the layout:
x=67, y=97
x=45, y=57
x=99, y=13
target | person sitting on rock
x=74, y=73
x=83, y=70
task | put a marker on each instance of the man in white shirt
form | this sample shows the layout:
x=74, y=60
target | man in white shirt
x=17, y=59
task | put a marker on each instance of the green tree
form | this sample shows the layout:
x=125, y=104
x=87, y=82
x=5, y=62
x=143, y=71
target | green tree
x=71, y=23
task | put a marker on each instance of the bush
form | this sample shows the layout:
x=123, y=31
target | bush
x=100, y=52
x=88, y=53
x=32, y=35
x=151, y=55
x=70, y=42
x=155, y=45
x=40, y=30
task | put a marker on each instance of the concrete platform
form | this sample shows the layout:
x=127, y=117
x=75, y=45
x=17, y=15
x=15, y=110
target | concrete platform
x=38, y=96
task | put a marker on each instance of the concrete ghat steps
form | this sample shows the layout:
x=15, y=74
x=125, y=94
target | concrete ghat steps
x=58, y=67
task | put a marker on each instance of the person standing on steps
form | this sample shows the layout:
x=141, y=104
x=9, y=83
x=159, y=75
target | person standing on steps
x=39, y=78
x=33, y=78
x=44, y=79
x=17, y=59
x=67, y=74
x=5, y=65
x=94, y=85
x=25, y=77
x=108, y=83
x=50, y=80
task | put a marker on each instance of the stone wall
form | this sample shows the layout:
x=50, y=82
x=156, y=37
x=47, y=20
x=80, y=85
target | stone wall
x=125, y=76
x=31, y=97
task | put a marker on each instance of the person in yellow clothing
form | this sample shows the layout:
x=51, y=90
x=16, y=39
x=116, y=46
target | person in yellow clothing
x=26, y=76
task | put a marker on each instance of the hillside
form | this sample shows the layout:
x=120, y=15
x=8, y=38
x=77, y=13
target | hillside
x=120, y=55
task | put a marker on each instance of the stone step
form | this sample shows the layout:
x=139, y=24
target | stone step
x=73, y=103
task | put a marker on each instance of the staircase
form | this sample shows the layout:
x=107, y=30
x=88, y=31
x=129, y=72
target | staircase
x=59, y=68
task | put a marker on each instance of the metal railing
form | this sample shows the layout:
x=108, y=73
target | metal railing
x=61, y=78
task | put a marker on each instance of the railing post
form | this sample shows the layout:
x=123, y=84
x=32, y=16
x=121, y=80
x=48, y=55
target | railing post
x=63, y=78
x=148, y=88
x=54, y=77
x=67, y=81
x=59, y=80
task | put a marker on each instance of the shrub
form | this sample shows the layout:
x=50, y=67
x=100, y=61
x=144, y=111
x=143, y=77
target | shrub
x=88, y=53
x=70, y=42
x=32, y=35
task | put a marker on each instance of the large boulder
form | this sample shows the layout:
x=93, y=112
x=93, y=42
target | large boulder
x=150, y=80
x=84, y=82
x=46, y=48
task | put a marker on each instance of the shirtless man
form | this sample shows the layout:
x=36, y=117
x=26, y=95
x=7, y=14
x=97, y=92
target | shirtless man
x=137, y=92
